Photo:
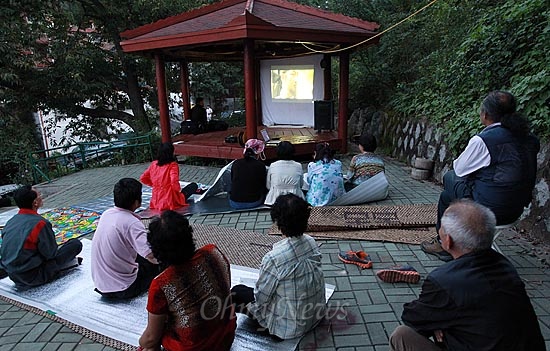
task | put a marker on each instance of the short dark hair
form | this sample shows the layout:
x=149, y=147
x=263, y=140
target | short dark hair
x=25, y=196
x=291, y=213
x=368, y=142
x=171, y=238
x=165, y=154
x=323, y=152
x=198, y=100
x=285, y=150
x=126, y=192
x=498, y=104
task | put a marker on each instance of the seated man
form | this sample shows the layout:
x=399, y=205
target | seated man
x=29, y=252
x=198, y=115
x=289, y=298
x=497, y=169
x=475, y=302
x=123, y=265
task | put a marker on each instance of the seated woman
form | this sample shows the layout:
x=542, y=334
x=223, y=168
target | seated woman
x=364, y=165
x=289, y=297
x=248, y=177
x=163, y=175
x=284, y=176
x=324, y=176
x=187, y=304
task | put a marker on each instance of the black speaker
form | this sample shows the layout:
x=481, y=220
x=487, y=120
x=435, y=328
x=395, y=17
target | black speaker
x=323, y=112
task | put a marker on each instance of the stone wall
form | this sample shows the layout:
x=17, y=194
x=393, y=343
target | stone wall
x=408, y=139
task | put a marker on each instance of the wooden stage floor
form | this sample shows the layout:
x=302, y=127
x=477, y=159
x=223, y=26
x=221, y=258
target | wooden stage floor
x=213, y=145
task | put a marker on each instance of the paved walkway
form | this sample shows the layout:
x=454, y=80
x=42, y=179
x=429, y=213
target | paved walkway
x=365, y=310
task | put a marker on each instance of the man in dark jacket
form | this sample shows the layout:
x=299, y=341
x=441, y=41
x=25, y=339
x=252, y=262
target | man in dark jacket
x=198, y=115
x=497, y=169
x=475, y=302
x=29, y=252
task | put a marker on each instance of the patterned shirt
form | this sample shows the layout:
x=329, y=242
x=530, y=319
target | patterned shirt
x=326, y=182
x=290, y=291
x=195, y=297
x=364, y=166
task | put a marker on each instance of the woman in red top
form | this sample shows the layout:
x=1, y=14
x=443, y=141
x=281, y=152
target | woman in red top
x=189, y=303
x=164, y=175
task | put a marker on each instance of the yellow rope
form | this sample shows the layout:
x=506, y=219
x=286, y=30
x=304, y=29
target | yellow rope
x=371, y=38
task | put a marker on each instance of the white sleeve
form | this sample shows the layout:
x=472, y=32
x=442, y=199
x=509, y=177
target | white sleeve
x=474, y=157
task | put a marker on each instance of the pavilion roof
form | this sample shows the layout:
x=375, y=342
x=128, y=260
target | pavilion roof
x=216, y=32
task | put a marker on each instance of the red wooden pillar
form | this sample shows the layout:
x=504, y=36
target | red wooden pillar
x=343, y=100
x=184, y=73
x=259, y=116
x=327, y=77
x=250, y=89
x=163, y=101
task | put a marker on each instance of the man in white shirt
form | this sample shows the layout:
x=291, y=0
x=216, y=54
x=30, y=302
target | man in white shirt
x=497, y=169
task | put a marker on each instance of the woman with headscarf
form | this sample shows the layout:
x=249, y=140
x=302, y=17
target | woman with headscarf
x=248, y=177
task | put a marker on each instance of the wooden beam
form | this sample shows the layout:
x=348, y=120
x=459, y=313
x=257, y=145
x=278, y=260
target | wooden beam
x=327, y=77
x=249, y=89
x=163, y=101
x=343, y=97
x=184, y=72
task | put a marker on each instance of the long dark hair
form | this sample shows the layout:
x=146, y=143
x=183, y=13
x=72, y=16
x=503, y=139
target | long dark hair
x=323, y=152
x=165, y=154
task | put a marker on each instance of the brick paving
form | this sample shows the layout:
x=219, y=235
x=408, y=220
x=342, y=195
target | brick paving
x=363, y=310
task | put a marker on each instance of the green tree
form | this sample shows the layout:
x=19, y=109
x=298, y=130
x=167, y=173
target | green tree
x=58, y=55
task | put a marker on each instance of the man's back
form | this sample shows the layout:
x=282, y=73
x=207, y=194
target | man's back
x=119, y=238
x=479, y=302
x=506, y=184
x=28, y=242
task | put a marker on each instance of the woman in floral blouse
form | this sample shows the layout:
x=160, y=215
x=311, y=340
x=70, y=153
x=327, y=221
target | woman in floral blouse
x=324, y=176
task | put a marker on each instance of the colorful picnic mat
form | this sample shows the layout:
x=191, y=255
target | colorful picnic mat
x=72, y=222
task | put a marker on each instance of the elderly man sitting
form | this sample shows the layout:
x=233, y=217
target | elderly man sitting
x=475, y=302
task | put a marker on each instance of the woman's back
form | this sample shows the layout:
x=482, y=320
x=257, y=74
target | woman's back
x=195, y=296
x=166, y=187
x=283, y=177
x=326, y=182
x=248, y=178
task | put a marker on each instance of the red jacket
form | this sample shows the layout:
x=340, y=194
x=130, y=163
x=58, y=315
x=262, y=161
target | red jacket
x=166, y=187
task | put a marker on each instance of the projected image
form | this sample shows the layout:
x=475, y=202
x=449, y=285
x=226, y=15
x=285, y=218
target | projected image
x=292, y=82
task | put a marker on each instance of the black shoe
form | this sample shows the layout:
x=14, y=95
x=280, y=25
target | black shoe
x=3, y=273
x=433, y=247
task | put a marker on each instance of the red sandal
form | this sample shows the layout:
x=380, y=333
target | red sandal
x=405, y=274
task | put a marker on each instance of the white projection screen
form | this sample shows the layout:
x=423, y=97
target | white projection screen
x=288, y=88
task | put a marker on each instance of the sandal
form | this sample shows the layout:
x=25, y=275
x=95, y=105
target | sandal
x=405, y=274
x=358, y=258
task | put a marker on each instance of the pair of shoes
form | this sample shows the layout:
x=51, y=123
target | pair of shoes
x=358, y=258
x=406, y=274
x=3, y=273
x=433, y=247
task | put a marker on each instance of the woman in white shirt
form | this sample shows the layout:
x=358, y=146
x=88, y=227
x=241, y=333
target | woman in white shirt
x=284, y=176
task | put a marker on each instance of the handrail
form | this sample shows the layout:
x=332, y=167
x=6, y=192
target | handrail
x=54, y=162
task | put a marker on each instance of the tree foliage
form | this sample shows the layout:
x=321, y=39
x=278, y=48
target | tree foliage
x=442, y=62
x=61, y=54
